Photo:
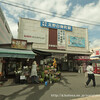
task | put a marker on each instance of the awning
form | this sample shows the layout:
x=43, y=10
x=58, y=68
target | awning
x=16, y=53
x=65, y=51
x=47, y=51
x=44, y=53
x=94, y=57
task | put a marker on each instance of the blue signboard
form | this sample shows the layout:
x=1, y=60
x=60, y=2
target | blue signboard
x=55, y=26
x=76, y=41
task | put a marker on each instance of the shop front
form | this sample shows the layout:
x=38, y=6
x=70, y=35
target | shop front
x=78, y=62
x=69, y=62
x=46, y=56
x=13, y=62
x=63, y=42
x=17, y=64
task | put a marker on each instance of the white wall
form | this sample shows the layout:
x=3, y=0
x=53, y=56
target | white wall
x=78, y=32
x=31, y=31
x=32, y=28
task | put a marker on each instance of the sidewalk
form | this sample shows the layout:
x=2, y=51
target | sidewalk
x=71, y=87
x=89, y=98
x=97, y=74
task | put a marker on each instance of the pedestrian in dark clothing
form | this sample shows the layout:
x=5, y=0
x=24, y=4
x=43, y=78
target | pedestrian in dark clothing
x=90, y=75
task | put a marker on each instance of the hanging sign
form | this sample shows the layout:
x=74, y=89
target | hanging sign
x=60, y=39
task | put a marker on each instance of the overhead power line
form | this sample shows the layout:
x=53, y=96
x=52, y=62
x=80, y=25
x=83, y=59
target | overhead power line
x=49, y=14
x=53, y=12
x=50, y=11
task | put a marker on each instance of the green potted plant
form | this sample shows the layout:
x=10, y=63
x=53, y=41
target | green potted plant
x=41, y=80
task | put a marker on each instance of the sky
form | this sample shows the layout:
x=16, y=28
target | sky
x=70, y=12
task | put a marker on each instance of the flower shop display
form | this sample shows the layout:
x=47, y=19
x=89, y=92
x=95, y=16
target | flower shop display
x=49, y=74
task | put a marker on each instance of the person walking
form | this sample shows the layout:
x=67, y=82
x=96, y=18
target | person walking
x=34, y=73
x=91, y=76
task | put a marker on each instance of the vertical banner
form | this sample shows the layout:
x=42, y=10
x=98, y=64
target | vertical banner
x=52, y=39
x=60, y=39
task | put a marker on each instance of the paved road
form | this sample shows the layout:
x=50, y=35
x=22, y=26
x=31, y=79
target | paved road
x=70, y=87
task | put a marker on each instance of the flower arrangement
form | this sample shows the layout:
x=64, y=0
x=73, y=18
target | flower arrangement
x=54, y=63
x=46, y=71
x=41, y=80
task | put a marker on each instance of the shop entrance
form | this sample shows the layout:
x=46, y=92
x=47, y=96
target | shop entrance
x=70, y=66
x=77, y=62
x=10, y=65
x=13, y=66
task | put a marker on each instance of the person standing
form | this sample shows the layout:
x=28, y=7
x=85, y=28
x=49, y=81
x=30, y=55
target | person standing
x=90, y=75
x=34, y=72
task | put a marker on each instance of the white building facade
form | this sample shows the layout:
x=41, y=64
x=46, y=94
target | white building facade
x=5, y=32
x=55, y=38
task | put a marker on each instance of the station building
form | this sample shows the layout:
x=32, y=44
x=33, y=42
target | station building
x=68, y=44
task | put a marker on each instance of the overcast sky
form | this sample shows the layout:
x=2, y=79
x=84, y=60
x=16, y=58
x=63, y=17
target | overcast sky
x=86, y=11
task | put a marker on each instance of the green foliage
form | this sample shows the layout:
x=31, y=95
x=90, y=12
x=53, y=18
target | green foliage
x=41, y=80
x=50, y=64
x=56, y=79
x=42, y=74
x=58, y=72
x=46, y=68
x=41, y=68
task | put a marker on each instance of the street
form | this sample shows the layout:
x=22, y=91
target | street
x=71, y=86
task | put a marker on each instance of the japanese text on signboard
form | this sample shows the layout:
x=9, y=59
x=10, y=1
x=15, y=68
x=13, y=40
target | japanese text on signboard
x=20, y=44
x=55, y=26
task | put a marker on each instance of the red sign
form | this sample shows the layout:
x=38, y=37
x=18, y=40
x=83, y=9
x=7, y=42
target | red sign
x=97, y=52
